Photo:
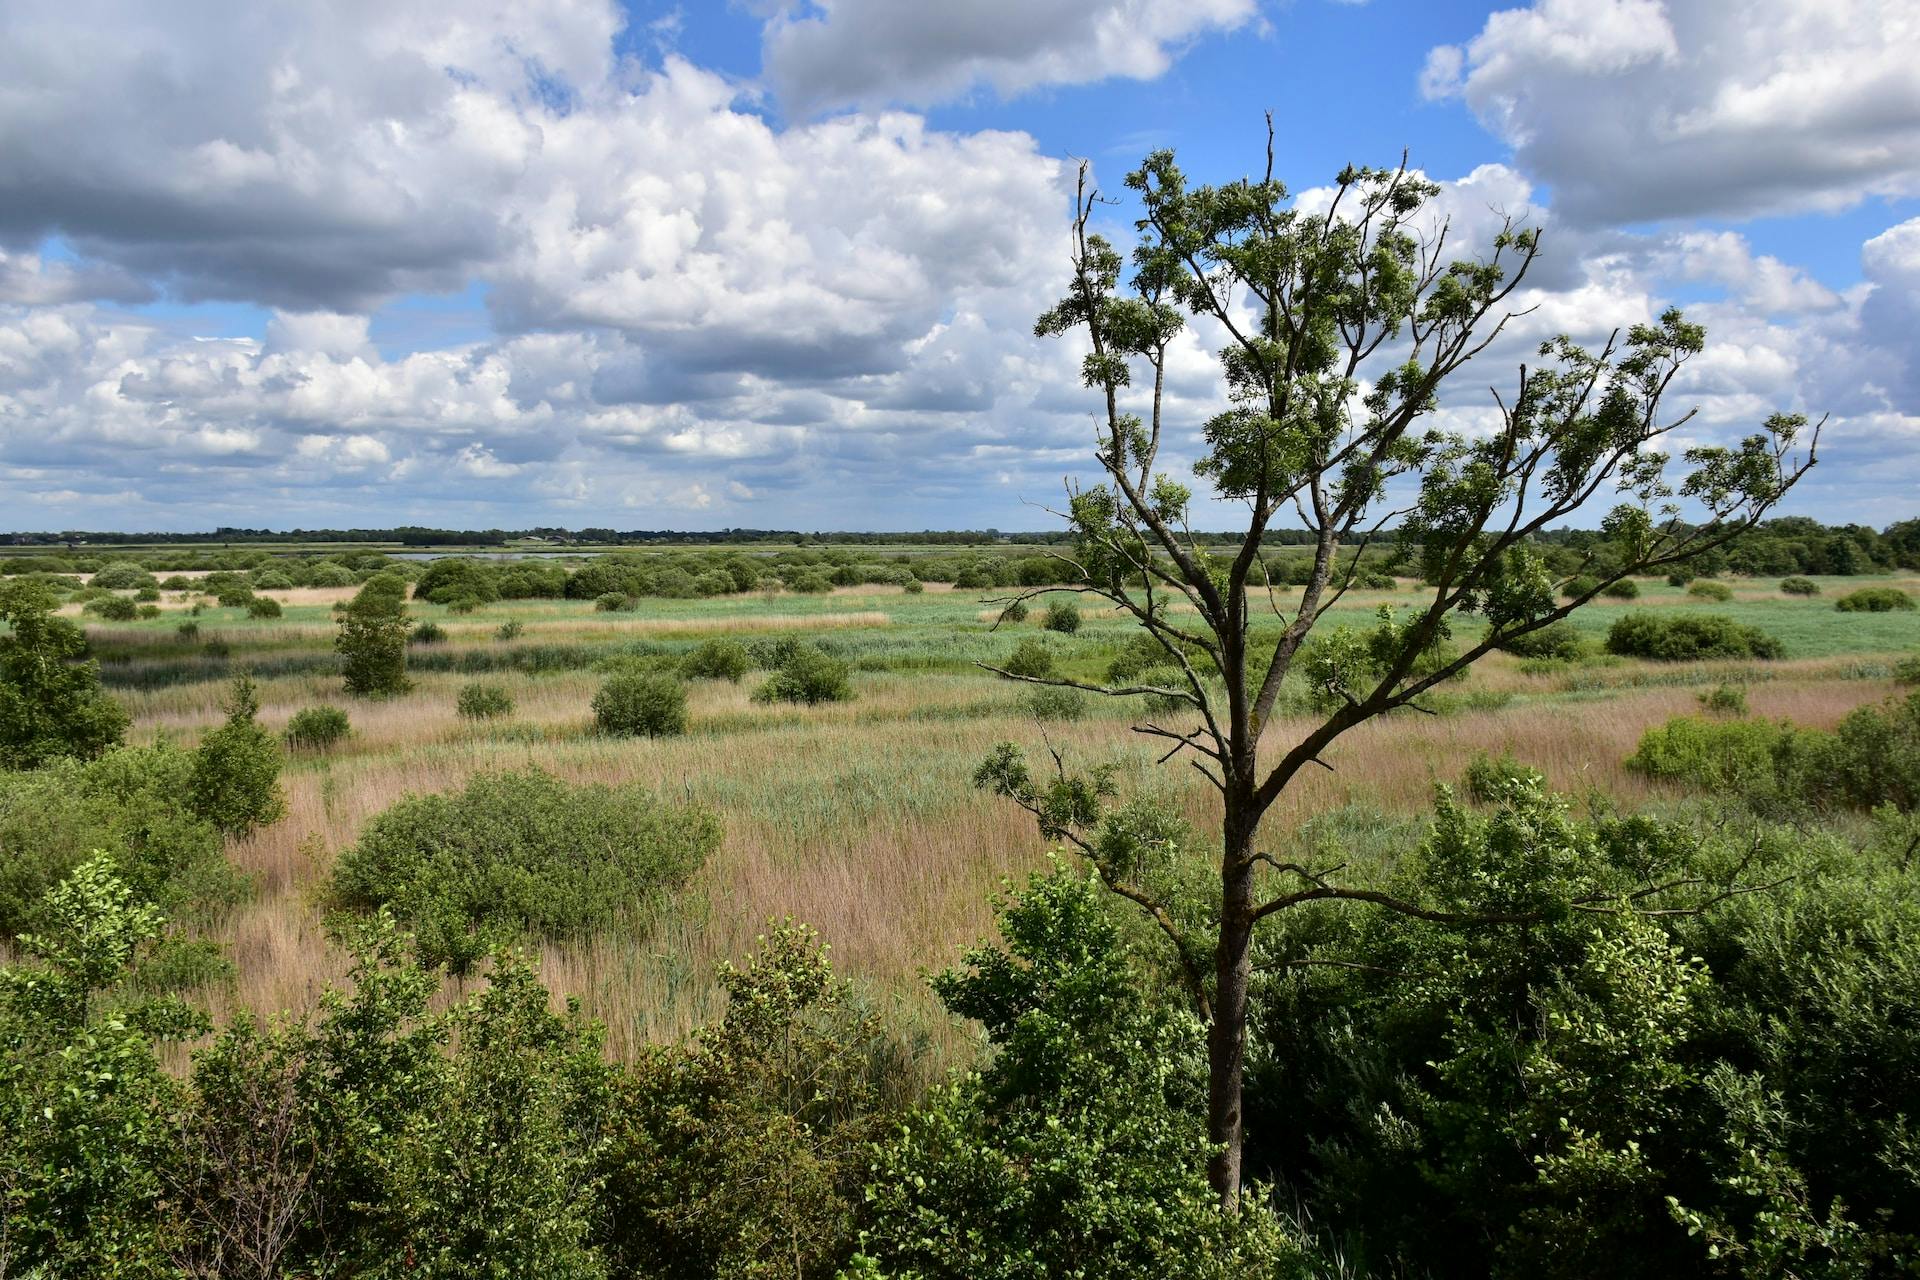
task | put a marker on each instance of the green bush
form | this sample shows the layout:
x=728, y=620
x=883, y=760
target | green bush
x=112, y=608
x=508, y=630
x=1062, y=616
x=317, y=728
x=1907, y=670
x=483, y=701
x=1704, y=589
x=1055, y=702
x=427, y=633
x=650, y=703
x=1687, y=638
x=716, y=660
x=263, y=607
x=807, y=676
x=373, y=636
x=1725, y=699
x=122, y=575
x=1489, y=779
x=516, y=854
x=1015, y=612
x=1624, y=589
x=147, y=595
x=615, y=602
x=236, y=768
x=1557, y=641
x=1875, y=600
x=234, y=596
x=1030, y=658
x=1800, y=586
x=463, y=605
x=50, y=699
x=188, y=631
x=1584, y=585
x=811, y=583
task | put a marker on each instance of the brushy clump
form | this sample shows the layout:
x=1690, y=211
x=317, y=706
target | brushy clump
x=427, y=633
x=1800, y=586
x=807, y=676
x=236, y=769
x=1062, y=616
x=1704, y=589
x=1725, y=700
x=1030, y=659
x=1688, y=638
x=509, y=630
x=483, y=701
x=1490, y=779
x=1015, y=612
x=653, y=704
x=317, y=728
x=1055, y=703
x=264, y=607
x=1624, y=589
x=716, y=660
x=1557, y=642
x=1875, y=600
x=521, y=854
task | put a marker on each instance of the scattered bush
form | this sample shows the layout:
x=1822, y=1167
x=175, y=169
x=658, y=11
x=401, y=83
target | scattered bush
x=112, y=608
x=1624, y=589
x=807, y=676
x=1557, y=641
x=427, y=633
x=1031, y=659
x=1704, y=589
x=317, y=728
x=234, y=596
x=615, y=602
x=913, y=586
x=1015, y=612
x=148, y=612
x=1055, y=702
x=1907, y=670
x=462, y=605
x=1875, y=600
x=1584, y=585
x=263, y=607
x=373, y=636
x=1062, y=616
x=516, y=854
x=1800, y=586
x=1687, y=638
x=483, y=701
x=810, y=583
x=121, y=575
x=147, y=595
x=236, y=769
x=188, y=631
x=716, y=660
x=50, y=699
x=650, y=703
x=1680, y=577
x=1490, y=779
x=508, y=630
x=1725, y=699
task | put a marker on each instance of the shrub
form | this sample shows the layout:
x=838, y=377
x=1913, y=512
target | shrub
x=463, y=605
x=263, y=607
x=913, y=586
x=1062, y=616
x=1055, y=702
x=121, y=575
x=372, y=639
x=807, y=676
x=521, y=853
x=1490, y=779
x=1725, y=699
x=1623, y=589
x=1875, y=600
x=1557, y=641
x=236, y=768
x=615, y=602
x=1687, y=637
x=1030, y=658
x=1800, y=586
x=508, y=630
x=188, y=631
x=716, y=660
x=1584, y=585
x=50, y=699
x=483, y=701
x=1907, y=670
x=1679, y=578
x=148, y=612
x=650, y=703
x=113, y=608
x=147, y=595
x=1015, y=612
x=317, y=728
x=234, y=596
x=811, y=583
x=1703, y=589
x=427, y=633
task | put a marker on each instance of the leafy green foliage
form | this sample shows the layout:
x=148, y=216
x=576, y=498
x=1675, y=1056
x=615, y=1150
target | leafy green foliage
x=1725, y=700
x=642, y=702
x=1031, y=658
x=482, y=700
x=427, y=633
x=236, y=768
x=1051, y=704
x=1799, y=586
x=1875, y=600
x=372, y=639
x=806, y=675
x=1624, y=589
x=516, y=854
x=1557, y=642
x=1705, y=589
x=50, y=699
x=317, y=728
x=1687, y=638
x=1062, y=616
x=716, y=660
x=263, y=607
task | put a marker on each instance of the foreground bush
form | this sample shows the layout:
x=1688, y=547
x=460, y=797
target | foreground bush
x=806, y=675
x=236, y=768
x=50, y=699
x=717, y=660
x=641, y=702
x=1688, y=638
x=517, y=854
x=1875, y=600
x=317, y=728
x=483, y=701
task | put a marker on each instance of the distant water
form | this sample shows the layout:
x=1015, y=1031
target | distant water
x=489, y=555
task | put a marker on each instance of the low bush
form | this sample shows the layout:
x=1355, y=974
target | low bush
x=1015, y=612
x=112, y=608
x=463, y=605
x=1584, y=585
x=811, y=583
x=1724, y=699
x=1800, y=586
x=807, y=676
x=1875, y=600
x=1704, y=589
x=1907, y=670
x=1624, y=589
x=515, y=854
x=317, y=728
x=1031, y=659
x=509, y=630
x=1688, y=638
x=1062, y=616
x=147, y=595
x=649, y=703
x=427, y=633
x=188, y=631
x=1557, y=641
x=1490, y=779
x=236, y=768
x=483, y=701
x=1055, y=702
x=234, y=596
x=716, y=660
x=263, y=607
x=615, y=602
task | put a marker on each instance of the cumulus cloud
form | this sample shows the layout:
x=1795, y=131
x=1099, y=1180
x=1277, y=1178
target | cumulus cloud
x=822, y=54
x=1636, y=110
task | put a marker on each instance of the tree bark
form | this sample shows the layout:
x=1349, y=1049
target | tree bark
x=1233, y=972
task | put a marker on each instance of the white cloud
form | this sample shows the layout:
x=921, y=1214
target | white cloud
x=821, y=54
x=1634, y=110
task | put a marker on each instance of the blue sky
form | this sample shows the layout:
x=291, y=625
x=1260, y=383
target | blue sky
x=774, y=264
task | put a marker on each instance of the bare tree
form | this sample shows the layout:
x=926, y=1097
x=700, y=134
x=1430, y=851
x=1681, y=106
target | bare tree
x=1340, y=328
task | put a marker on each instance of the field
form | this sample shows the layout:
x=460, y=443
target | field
x=859, y=817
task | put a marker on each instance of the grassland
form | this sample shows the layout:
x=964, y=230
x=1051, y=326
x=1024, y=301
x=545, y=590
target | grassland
x=858, y=817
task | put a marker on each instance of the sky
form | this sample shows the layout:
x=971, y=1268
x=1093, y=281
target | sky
x=775, y=263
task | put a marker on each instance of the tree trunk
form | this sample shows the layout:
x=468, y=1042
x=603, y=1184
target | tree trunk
x=1233, y=970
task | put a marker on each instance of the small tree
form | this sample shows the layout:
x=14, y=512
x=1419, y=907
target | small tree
x=1340, y=326
x=236, y=768
x=650, y=703
x=372, y=641
x=50, y=700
